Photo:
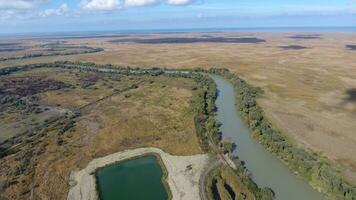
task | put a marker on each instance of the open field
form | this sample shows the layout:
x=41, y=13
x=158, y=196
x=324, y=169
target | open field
x=308, y=77
x=85, y=116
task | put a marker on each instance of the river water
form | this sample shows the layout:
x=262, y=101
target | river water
x=135, y=179
x=266, y=169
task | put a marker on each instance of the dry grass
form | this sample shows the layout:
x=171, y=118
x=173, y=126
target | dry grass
x=305, y=90
x=224, y=195
x=232, y=179
x=156, y=114
x=226, y=179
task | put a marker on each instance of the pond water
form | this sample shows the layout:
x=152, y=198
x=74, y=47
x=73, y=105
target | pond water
x=267, y=170
x=135, y=179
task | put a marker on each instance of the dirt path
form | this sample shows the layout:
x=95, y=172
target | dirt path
x=203, y=177
x=133, y=86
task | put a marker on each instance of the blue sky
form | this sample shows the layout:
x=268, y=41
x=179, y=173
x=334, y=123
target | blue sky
x=19, y=16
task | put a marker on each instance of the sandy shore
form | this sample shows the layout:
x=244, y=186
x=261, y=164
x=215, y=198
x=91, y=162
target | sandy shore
x=183, y=182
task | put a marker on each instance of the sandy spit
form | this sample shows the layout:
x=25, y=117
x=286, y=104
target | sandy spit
x=183, y=182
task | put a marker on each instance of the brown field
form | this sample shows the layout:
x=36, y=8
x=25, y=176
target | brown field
x=158, y=114
x=309, y=78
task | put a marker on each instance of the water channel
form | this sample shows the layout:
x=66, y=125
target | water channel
x=266, y=169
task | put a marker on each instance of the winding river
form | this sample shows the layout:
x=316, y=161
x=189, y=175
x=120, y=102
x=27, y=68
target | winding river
x=267, y=170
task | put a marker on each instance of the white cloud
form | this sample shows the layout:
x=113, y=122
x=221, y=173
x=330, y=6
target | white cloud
x=18, y=9
x=180, y=2
x=100, y=5
x=132, y=3
x=109, y=5
x=63, y=9
x=19, y=4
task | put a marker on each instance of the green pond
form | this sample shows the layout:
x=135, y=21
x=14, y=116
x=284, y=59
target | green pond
x=135, y=179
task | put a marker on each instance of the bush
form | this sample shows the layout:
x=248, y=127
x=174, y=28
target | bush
x=204, y=112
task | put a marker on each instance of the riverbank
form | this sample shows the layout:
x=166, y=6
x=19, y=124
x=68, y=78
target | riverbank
x=265, y=169
x=317, y=170
x=183, y=173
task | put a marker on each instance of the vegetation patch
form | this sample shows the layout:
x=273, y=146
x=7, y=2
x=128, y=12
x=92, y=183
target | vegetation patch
x=351, y=95
x=306, y=36
x=294, y=47
x=29, y=85
x=225, y=183
x=351, y=47
x=57, y=48
x=9, y=44
x=11, y=47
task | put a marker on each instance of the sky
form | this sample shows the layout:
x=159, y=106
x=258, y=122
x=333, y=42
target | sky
x=42, y=16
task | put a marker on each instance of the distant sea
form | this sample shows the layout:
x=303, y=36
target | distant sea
x=190, y=30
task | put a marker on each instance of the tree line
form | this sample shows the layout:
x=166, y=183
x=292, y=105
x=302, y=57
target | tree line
x=85, y=50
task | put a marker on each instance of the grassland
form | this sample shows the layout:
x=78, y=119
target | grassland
x=308, y=78
x=95, y=120
x=309, y=92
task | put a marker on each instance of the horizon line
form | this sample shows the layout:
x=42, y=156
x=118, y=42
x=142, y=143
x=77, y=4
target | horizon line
x=183, y=30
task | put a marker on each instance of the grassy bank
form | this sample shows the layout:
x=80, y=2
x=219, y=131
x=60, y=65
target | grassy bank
x=318, y=170
x=226, y=184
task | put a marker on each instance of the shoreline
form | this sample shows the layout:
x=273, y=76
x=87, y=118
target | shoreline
x=183, y=183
